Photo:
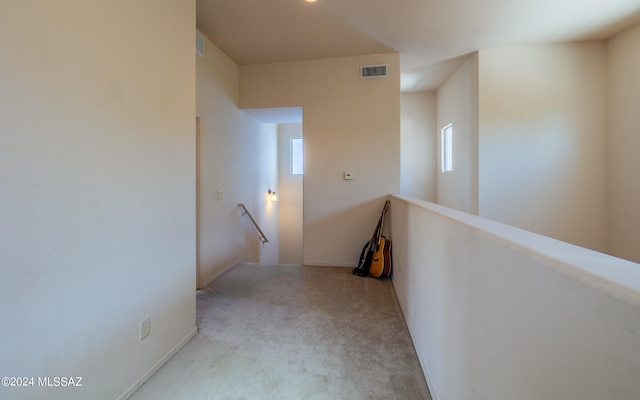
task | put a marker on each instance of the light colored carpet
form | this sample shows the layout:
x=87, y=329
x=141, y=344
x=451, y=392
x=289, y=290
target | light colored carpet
x=291, y=332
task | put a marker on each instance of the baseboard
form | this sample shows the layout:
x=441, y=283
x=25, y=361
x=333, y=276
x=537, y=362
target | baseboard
x=222, y=272
x=157, y=365
x=317, y=264
x=416, y=346
x=425, y=372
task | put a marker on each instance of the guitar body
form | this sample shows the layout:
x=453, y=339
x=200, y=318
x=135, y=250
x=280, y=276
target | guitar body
x=381, y=260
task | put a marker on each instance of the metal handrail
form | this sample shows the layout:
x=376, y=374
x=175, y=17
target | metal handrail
x=253, y=221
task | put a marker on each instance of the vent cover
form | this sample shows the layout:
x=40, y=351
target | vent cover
x=199, y=44
x=373, y=71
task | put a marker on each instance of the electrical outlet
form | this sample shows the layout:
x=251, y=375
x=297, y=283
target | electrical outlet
x=145, y=328
x=220, y=194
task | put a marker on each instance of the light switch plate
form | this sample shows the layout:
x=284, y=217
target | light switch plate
x=144, y=328
x=348, y=176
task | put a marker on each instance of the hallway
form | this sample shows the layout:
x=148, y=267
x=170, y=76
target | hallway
x=291, y=332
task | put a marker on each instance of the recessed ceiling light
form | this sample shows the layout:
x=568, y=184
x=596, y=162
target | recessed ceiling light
x=310, y=1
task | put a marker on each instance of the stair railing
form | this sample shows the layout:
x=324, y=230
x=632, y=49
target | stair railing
x=246, y=212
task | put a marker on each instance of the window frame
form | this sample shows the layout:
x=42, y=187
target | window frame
x=293, y=168
x=446, y=149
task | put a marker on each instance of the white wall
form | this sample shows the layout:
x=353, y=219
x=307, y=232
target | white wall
x=238, y=157
x=623, y=53
x=500, y=313
x=350, y=124
x=97, y=191
x=263, y=153
x=418, y=150
x=457, y=104
x=542, y=140
x=290, y=193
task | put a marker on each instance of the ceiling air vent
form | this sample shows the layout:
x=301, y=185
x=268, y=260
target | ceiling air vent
x=373, y=71
x=199, y=44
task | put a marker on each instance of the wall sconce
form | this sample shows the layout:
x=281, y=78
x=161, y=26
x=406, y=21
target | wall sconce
x=272, y=195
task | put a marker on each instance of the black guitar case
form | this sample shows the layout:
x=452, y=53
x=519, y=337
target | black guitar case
x=364, y=262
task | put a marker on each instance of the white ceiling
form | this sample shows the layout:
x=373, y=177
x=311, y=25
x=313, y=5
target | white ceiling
x=432, y=36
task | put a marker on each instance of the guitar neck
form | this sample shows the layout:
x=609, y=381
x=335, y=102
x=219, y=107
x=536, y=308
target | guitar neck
x=378, y=231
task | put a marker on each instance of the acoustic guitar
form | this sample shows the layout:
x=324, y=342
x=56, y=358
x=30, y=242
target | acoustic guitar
x=381, y=262
x=375, y=259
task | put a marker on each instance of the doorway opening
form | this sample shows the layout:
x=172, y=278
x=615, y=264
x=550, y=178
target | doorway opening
x=290, y=183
